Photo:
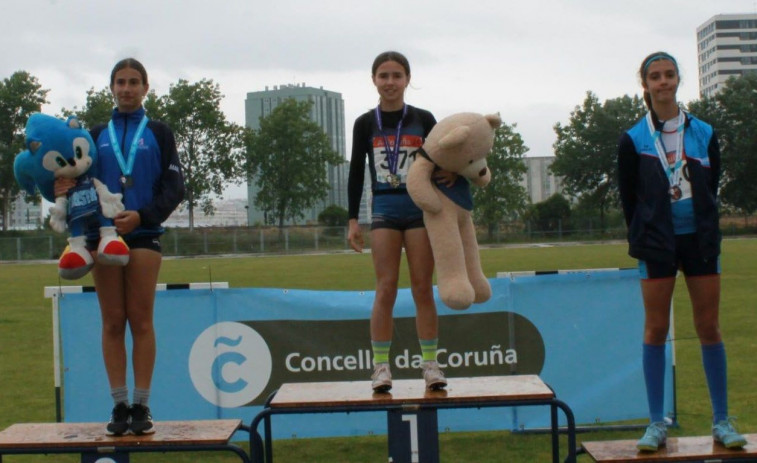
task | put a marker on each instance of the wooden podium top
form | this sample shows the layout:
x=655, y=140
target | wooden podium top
x=167, y=433
x=677, y=449
x=406, y=391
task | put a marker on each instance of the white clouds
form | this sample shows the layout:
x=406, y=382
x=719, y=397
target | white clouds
x=531, y=60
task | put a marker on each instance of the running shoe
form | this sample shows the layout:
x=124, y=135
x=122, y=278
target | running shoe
x=654, y=437
x=433, y=375
x=381, y=378
x=724, y=432
x=141, y=420
x=119, y=420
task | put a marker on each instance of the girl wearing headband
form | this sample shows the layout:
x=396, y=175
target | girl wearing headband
x=669, y=167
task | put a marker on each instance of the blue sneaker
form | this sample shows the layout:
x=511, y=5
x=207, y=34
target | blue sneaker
x=654, y=437
x=724, y=432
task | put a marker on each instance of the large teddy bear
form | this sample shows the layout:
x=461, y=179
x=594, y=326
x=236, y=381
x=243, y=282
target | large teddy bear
x=57, y=148
x=458, y=143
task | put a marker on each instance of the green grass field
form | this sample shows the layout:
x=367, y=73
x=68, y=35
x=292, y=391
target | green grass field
x=26, y=365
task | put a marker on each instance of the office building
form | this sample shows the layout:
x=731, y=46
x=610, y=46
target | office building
x=726, y=47
x=539, y=181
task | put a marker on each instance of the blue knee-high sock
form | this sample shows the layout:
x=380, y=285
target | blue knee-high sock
x=653, y=361
x=715, y=370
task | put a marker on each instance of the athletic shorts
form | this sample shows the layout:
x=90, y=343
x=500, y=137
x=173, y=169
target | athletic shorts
x=380, y=221
x=687, y=260
x=134, y=242
x=395, y=211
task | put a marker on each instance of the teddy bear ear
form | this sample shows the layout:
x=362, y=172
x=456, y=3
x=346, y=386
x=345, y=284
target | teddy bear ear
x=494, y=120
x=34, y=146
x=455, y=137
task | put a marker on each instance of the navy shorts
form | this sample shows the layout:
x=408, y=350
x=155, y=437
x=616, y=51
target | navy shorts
x=395, y=211
x=687, y=260
x=134, y=242
x=395, y=223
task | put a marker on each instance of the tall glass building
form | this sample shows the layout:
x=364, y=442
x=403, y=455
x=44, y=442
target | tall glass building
x=726, y=47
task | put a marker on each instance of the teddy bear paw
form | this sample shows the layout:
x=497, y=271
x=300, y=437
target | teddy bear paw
x=457, y=297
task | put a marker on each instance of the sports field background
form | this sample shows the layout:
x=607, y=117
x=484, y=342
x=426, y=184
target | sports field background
x=26, y=366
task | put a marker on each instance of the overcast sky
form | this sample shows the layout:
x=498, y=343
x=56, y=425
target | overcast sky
x=531, y=60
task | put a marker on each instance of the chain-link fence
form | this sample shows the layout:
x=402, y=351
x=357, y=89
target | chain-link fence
x=44, y=244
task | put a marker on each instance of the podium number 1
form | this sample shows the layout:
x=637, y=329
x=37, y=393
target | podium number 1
x=413, y=423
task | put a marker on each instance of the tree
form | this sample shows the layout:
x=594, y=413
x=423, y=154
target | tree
x=211, y=149
x=20, y=95
x=731, y=113
x=334, y=216
x=550, y=214
x=288, y=158
x=586, y=149
x=97, y=109
x=504, y=196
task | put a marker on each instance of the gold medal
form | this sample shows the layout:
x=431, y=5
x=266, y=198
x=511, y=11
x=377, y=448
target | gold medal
x=393, y=179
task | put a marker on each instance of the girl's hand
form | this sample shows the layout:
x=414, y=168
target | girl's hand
x=445, y=177
x=126, y=221
x=62, y=185
x=355, y=236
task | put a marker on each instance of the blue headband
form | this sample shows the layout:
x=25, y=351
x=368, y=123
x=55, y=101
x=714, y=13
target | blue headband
x=658, y=57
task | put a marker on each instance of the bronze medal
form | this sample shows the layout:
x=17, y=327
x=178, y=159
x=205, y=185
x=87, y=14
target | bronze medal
x=126, y=181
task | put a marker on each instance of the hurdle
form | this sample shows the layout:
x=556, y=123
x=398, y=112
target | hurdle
x=90, y=441
x=700, y=449
x=57, y=292
x=411, y=410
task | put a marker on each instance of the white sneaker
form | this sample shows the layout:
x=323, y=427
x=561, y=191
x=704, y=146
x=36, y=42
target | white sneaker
x=433, y=375
x=382, y=378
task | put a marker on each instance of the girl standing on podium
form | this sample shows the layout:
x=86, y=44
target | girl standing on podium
x=388, y=136
x=669, y=167
x=138, y=158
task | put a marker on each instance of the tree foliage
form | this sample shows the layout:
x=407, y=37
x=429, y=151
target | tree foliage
x=586, y=149
x=504, y=196
x=97, y=109
x=211, y=149
x=21, y=94
x=550, y=214
x=731, y=113
x=288, y=158
x=334, y=216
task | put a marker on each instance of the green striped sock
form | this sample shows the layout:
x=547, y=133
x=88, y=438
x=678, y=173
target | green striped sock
x=381, y=351
x=428, y=349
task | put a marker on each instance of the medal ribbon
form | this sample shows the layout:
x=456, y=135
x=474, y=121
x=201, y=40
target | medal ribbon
x=126, y=165
x=392, y=155
x=673, y=172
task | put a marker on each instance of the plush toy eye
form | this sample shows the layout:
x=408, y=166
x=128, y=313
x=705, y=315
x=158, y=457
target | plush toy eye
x=81, y=147
x=53, y=160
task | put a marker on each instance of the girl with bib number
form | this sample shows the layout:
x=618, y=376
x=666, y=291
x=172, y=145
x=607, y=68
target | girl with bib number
x=387, y=136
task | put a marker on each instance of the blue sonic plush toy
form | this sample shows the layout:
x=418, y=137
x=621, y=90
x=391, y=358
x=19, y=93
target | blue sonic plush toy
x=57, y=148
